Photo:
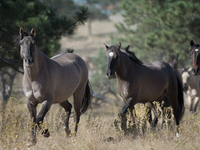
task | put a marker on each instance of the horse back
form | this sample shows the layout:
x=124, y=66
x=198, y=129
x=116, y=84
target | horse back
x=71, y=73
x=152, y=80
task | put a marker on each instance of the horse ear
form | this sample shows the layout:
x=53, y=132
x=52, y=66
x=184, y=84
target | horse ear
x=106, y=47
x=127, y=48
x=21, y=31
x=192, y=43
x=33, y=32
x=119, y=46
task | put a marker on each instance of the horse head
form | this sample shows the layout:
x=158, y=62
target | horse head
x=27, y=46
x=112, y=60
x=173, y=61
x=186, y=74
x=195, y=57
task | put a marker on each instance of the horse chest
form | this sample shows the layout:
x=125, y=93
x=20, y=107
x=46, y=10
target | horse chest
x=34, y=91
x=123, y=89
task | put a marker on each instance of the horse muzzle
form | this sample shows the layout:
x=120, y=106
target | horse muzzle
x=195, y=71
x=185, y=87
x=29, y=62
x=110, y=75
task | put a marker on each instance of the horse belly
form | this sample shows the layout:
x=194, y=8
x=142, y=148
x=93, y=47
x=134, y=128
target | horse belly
x=151, y=93
x=64, y=91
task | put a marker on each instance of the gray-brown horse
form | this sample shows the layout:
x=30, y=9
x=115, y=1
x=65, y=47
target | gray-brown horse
x=49, y=81
x=191, y=84
x=138, y=82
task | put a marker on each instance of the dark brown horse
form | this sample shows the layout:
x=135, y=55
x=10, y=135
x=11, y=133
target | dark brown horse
x=50, y=81
x=195, y=57
x=138, y=82
x=163, y=100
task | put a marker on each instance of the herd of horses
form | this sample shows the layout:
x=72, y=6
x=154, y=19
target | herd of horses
x=54, y=80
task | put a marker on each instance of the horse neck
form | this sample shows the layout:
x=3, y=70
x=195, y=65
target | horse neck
x=126, y=65
x=38, y=65
x=194, y=80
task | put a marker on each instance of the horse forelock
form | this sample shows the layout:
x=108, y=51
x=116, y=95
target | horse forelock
x=193, y=48
x=17, y=39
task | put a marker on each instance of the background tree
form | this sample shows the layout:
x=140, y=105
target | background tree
x=99, y=9
x=160, y=27
x=49, y=27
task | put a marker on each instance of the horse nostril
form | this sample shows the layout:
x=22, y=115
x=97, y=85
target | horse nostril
x=26, y=60
x=197, y=69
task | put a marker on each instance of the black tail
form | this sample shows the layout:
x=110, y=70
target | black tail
x=181, y=108
x=86, y=99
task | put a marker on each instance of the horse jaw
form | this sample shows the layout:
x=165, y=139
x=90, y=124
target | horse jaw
x=111, y=77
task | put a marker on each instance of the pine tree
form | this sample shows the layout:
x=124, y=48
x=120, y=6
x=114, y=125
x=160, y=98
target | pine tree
x=160, y=27
x=28, y=14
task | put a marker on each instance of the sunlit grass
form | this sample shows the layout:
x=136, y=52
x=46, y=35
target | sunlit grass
x=99, y=128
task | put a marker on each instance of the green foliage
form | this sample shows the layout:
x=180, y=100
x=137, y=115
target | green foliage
x=33, y=13
x=99, y=81
x=160, y=27
x=62, y=7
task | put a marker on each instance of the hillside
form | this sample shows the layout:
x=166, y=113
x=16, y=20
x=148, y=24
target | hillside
x=85, y=45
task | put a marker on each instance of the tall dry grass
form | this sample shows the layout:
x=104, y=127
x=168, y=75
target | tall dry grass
x=99, y=129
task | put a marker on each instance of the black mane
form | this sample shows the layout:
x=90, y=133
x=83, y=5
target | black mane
x=132, y=56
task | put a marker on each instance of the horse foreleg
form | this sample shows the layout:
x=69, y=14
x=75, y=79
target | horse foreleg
x=39, y=119
x=129, y=105
x=133, y=114
x=195, y=103
x=67, y=106
x=32, y=111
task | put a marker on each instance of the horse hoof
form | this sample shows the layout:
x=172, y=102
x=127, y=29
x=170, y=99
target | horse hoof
x=68, y=133
x=46, y=133
x=31, y=143
x=177, y=135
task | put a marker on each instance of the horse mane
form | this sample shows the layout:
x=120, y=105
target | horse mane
x=132, y=56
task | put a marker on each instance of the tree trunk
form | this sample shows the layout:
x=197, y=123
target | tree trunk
x=89, y=27
x=6, y=81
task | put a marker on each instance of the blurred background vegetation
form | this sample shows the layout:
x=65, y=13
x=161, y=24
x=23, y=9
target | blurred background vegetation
x=153, y=29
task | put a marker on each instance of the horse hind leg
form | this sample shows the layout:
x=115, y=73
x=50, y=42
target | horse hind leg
x=176, y=111
x=78, y=97
x=67, y=106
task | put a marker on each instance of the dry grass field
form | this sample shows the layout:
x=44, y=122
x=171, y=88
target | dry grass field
x=97, y=130
x=99, y=127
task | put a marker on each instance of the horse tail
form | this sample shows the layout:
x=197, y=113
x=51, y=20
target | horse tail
x=181, y=108
x=86, y=99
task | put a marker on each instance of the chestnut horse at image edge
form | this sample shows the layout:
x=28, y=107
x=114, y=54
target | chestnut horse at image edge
x=142, y=83
x=52, y=80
